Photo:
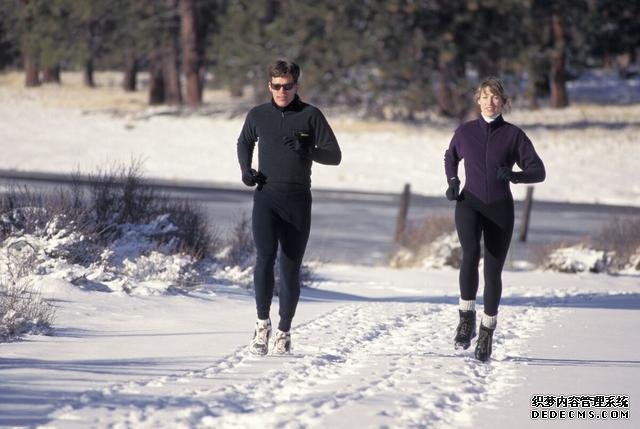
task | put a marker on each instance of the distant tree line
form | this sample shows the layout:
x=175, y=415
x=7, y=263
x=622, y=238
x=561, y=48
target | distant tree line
x=405, y=55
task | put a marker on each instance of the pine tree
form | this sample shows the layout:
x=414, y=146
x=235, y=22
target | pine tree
x=93, y=25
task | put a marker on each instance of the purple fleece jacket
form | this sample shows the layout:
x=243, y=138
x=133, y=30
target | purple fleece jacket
x=487, y=146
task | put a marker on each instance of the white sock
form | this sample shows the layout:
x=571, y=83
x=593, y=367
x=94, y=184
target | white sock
x=264, y=323
x=489, y=321
x=467, y=305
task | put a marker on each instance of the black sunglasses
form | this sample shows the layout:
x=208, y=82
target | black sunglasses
x=286, y=86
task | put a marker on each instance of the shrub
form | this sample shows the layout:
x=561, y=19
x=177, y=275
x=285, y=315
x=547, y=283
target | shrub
x=422, y=233
x=240, y=247
x=120, y=195
x=615, y=247
x=576, y=259
x=96, y=207
x=198, y=238
x=430, y=242
x=620, y=238
x=22, y=211
x=22, y=310
x=541, y=253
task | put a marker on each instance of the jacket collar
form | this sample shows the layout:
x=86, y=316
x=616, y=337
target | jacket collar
x=493, y=124
x=295, y=105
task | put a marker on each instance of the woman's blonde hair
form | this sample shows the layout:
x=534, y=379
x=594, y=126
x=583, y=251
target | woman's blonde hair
x=495, y=86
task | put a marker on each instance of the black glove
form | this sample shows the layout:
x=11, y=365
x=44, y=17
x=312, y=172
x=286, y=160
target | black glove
x=299, y=143
x=453, y=192
x=505, y=173
x=252, y=177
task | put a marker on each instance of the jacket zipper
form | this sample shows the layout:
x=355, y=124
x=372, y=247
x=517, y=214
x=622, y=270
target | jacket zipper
x=486, y=162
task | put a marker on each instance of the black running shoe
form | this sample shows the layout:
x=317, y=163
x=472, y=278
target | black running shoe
x=466, y=329
x=483, y=346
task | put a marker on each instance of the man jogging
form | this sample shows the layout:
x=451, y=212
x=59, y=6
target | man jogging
x=291, y=135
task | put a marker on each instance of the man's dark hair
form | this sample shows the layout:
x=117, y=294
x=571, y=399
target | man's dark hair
x=282, y=68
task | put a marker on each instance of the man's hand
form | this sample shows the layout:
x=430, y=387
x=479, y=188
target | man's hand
x=252, y=177
x=453, y=192
x=299, y=143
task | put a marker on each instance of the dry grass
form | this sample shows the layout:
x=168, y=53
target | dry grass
x=116, y=196
x=198, y=238
x=240, y=244
x=418, y=244
x=540, y=254
x=422, y=233
x=72, y=93
x=107, y=95
x=621, y=238
x=22, y=310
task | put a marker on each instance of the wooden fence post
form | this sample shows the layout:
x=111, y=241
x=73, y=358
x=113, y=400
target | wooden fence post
x=401, y=223
x=524, y=226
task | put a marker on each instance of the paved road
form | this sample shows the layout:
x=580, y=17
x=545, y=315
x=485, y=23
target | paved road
x=358, y=227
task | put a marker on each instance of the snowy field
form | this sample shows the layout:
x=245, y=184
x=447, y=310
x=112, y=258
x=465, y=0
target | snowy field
x=372, y=346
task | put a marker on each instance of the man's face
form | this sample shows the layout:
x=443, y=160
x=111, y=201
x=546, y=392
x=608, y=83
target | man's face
x=490, y=104
x=278, y=87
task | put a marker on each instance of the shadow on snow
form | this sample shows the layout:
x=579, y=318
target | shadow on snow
x=622, y=301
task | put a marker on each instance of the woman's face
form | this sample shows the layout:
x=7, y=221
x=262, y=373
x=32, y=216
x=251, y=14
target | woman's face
x=490, y=104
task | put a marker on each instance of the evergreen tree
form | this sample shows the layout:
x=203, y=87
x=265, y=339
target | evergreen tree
x=44, y=43
x=613, y=29
x=93, y=24
x=9, y=40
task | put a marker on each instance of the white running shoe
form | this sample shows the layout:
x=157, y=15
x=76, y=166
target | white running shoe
x=281, y=343
x=260, y=342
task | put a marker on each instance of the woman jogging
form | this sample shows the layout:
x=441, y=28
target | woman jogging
x=490, y=147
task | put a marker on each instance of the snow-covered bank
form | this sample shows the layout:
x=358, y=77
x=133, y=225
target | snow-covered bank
x=590, y=151
x=372, y=346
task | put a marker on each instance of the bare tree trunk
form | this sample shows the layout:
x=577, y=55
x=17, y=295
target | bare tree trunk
x=559, y=96
x=192, y=60
x=51, y=74
x=129, y=81
x=271, y=9
x=487, y=64
x=88, y=74
x=169, y=42
x=532, y=90
x=449, y=94
x=88, y=63
x=173, y=93
x=607, y=60
x=532, y=68
x=236, y=88
x=31, y=73
x=156, y=78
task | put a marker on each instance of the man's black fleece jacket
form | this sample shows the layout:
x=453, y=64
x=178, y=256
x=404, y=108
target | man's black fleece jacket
x=268, y=124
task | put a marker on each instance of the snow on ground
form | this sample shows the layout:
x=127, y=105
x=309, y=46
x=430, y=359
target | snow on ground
x=372, y=348
x=590, y=150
